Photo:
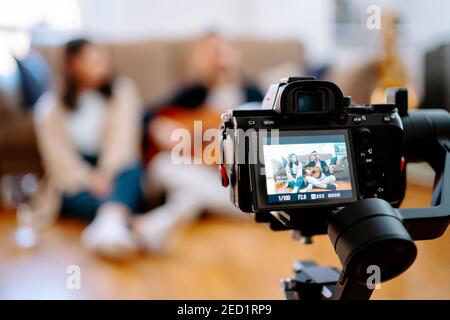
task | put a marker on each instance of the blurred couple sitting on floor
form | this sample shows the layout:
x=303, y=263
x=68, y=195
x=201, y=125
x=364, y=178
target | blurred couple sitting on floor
x=89, y=133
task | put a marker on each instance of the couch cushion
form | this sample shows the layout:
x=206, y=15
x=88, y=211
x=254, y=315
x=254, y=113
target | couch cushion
x=158, y=67
x=147, y=63
x=258, y=55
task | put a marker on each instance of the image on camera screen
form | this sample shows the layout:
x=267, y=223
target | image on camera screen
x=308, y=168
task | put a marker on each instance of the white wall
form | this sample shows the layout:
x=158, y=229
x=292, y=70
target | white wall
x=309, y=21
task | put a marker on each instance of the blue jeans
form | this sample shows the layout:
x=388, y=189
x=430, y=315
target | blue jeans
x=298, y=183
x=126, y=190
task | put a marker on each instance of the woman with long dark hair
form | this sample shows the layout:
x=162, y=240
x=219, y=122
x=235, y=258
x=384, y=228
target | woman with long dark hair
x=88, y=134
x=294, y=173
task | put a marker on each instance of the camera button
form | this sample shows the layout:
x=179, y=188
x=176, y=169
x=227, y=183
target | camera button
x=268, y=122
x=387, y=118
x=358, y=119
x=223, y=175
x=342, y=277
x=402, y=164
x=342, y=117
x=370, y=178
x=365, y=139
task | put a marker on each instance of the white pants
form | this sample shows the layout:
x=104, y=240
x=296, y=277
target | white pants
x=190, y=189
x=320, y=182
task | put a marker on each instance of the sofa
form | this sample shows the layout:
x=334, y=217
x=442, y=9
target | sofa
x=157, y=67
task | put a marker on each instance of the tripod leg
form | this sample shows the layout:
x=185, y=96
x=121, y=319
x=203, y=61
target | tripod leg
x=350, y=290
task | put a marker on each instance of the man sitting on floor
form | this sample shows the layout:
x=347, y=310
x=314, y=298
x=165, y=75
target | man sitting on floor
x=325, y=179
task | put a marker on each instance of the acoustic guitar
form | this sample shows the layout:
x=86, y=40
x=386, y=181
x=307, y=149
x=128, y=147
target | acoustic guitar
x=315, y=171
x=196, y=121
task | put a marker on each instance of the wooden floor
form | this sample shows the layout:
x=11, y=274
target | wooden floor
x=216, y=258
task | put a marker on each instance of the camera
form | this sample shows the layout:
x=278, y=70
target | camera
x=308, y=147
x=308, y=160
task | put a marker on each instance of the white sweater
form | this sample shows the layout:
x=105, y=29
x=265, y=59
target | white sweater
x=60, y=142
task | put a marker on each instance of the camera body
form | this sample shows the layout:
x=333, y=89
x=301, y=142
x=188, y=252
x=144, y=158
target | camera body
x=308, y=149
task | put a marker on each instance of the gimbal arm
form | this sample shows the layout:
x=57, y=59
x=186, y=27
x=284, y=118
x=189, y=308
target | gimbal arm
x=427, y=138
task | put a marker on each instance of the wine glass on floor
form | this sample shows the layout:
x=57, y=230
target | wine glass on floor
x=17, y=190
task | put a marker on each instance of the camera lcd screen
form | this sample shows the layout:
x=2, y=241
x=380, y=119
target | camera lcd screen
x=307, y=167
x=310, y=102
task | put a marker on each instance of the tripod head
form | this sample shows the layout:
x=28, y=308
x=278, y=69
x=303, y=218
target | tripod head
x=370, y=232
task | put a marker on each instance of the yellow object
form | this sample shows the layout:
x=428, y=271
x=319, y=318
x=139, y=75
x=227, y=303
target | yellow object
x=391, y=71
